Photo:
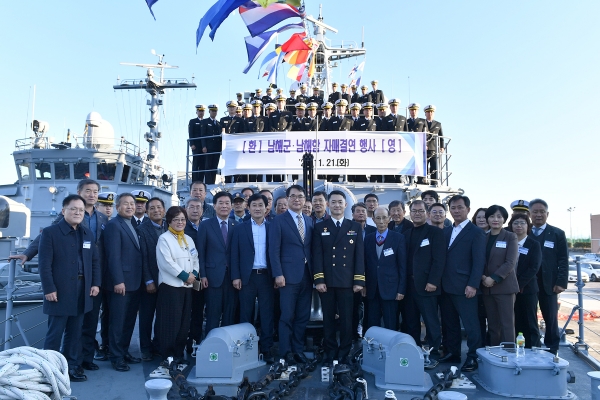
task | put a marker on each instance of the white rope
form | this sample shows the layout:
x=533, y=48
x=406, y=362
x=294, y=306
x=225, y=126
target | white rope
x=45, y=375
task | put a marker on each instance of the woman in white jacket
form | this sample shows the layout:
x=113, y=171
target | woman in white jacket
x=177, y=259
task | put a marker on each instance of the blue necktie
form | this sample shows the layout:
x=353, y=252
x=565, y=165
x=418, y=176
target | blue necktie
x=536, y=231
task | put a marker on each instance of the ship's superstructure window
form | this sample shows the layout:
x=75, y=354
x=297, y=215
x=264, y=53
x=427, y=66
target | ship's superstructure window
x=106, y=171
x=62, y=171
x=82, y=170
x=24, y=171
x=42, y=171
x=125, y=174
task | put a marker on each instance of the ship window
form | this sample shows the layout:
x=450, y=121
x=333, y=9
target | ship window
x=61, y=171
x=42, y=171
x=125, y=174
x=140, y=177
x=82, y=170
x=24, y=171
x=106, y=171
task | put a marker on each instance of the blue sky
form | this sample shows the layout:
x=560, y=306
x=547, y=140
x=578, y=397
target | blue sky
x=515, y=83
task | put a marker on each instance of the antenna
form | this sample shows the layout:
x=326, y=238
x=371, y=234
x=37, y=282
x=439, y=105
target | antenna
x=363, y=37
x=409, y=89
x=320, y=24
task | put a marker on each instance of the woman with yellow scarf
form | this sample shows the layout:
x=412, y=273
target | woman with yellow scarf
x=177, y=259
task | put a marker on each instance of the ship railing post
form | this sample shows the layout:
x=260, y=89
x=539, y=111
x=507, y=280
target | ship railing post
x=580, y=285
x=10, y=288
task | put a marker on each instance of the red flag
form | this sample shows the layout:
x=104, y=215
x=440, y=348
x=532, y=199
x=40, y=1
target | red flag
x=296, y=42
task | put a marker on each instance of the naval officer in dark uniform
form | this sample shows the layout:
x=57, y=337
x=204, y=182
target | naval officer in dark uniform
x=435, y=141
x=335, y=95
x=211, y=144
x=70, y=274
x=377, y=94
x=338, y=241
x=316, y=97
x=415, y=124
x=194, y=133
x=396, y=122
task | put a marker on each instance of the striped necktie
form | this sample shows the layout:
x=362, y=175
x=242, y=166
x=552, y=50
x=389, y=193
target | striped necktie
x=301, y=227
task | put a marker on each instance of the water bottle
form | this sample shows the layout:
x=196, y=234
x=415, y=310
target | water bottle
x=520, y=345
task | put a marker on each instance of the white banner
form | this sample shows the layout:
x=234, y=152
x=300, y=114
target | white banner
x=340, y=152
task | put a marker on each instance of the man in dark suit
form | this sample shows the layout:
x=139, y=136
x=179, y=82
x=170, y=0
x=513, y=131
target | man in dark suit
x=465, y=260
x=334, y=95
x=415, y=124
x=194, y=133
x=426, y=258
x=355, y=96
x=251, y=271
x=339, y=122
x=290, y=102
x=290, y=239
x=396, y=122
x=345, y=95
x=211, y=145
x=338, y=241
x=148, y=234
x=435, y=141
x=316, y=97
x=365, y=96
x=297, y=123
x=122, y=278
x=385, y=265
x=397, y=212
x=214, y=239
x=193, y=207
x=377, y=94
x=553, y=274
x=280, y=119
x=70, y=274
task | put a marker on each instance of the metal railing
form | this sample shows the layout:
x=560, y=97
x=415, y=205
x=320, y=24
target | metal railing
x=12, y=318
x=441, y=166
x=580, y=347
x=44, y=142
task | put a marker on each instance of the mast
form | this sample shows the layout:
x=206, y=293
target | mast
x=156, y=89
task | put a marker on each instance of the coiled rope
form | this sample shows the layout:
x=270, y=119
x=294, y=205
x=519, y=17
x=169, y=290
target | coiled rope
x=33, y=374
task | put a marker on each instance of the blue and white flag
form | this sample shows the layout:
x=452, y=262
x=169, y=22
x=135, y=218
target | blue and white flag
x=255, y=46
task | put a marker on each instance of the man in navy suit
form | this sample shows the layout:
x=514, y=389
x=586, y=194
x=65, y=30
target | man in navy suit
x=214, y=239
x=70, y=274
x=465, y=260
x=149, y=232
x=250, y=271
x=339, y=272
x=426, y=259
x=385, y=265
x=122, y=278
x=553, y=274
x=290, y=240
x=194, y=208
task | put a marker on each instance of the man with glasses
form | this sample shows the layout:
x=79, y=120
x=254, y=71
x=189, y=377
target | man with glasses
x=71, y=276
x=425, y=264
x=430, y=197
x=198, y=191
x=465, y=260
x=553, y=274
x=149, y=232
x=339, y=272
x=385, y=267
x=290, y=255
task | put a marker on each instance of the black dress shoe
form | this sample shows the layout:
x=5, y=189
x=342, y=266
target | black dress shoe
x=289, y=358
x=449, y=358
x=90, y=366
x=129, y=359
x=147, y=356
x=120, y=366
x=470, y=365
x=300, y=358
x=76, y=376
x=101, y=354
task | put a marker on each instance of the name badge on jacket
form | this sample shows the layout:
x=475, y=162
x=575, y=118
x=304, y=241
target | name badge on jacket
x=425, y=242
x=193, y=252
x=523, y=250
x=325, y=233
x=388, y=252
x=87, y=245
x=501, y=244
x=549, y=244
